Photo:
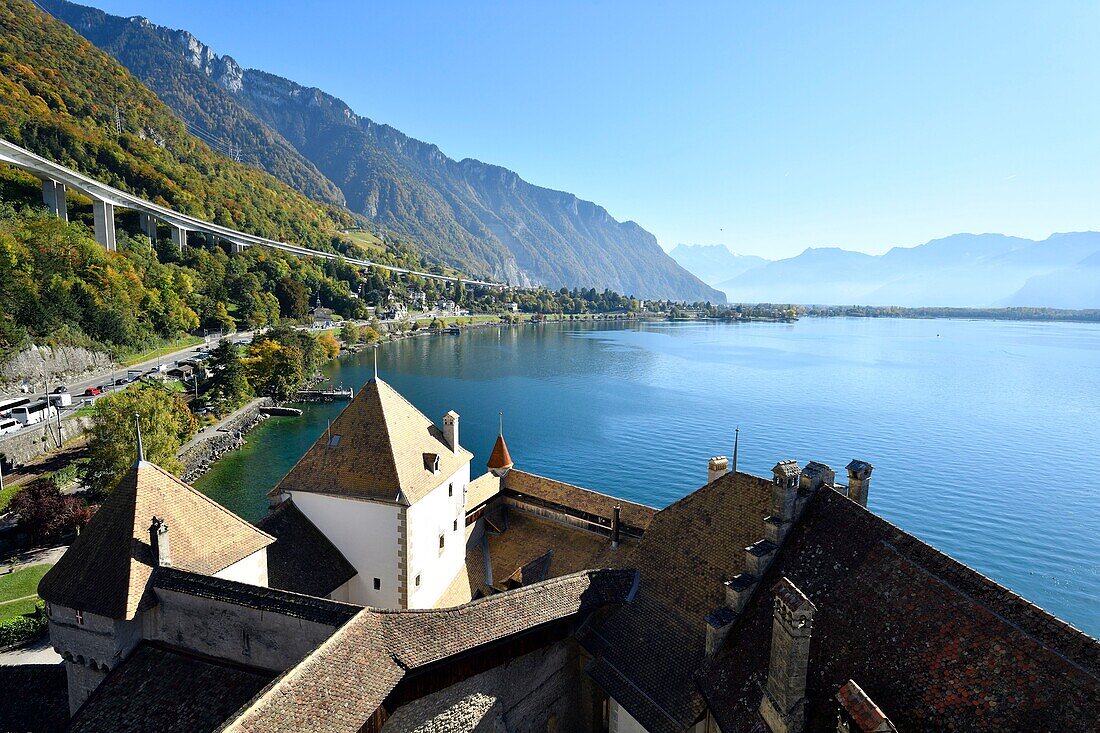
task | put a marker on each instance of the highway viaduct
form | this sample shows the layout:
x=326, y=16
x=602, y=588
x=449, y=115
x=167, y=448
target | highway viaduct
x=58, y=179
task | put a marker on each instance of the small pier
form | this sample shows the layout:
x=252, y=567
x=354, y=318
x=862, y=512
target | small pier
x=324, y=395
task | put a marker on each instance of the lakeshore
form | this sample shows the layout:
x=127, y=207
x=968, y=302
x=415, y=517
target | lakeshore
x=951, y=412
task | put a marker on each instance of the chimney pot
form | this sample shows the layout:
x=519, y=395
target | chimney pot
x=859, y=481
x=158, y=540
x=717, y=467
x=450, y=430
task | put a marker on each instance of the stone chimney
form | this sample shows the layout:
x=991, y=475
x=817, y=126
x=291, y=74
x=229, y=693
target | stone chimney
x=858, y=713
x=815, y=475
x=785, y=477
x=717, y=467
x=859, y=481
x=158, y=540
x=784, y=704
x=450, y=430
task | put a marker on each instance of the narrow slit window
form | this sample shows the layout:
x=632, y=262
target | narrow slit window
x=378, y=584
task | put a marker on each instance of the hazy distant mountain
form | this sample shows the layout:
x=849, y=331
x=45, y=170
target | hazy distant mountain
x=963, y=270
x=481, y=218
x=713, y=263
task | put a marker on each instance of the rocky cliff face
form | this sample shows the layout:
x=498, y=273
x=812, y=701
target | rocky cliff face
x=36, y=363
x=481, y=218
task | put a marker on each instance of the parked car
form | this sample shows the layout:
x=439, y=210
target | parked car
x=61, y=389
x=93, y=391
x=121, y=381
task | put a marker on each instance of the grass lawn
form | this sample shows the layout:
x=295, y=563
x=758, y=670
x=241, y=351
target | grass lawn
x=167, y=348
x=9, y=491
x=17, y=585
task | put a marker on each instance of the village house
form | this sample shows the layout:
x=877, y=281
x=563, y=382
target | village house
x=387, y=590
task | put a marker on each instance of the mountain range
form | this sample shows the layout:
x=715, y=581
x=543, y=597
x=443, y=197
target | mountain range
x=962, y=270
x=480, y=218
x=714, y=263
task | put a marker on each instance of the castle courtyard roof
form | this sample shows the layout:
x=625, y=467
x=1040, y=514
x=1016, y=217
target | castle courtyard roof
x=170, y=691
x=107, y=569
x=343, y=683
x=645, y=654
x=302, y=559
x=380, y=448
x=596, y=507
x=935, y=645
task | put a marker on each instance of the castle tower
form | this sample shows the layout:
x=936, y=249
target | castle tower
x=386, y=486
x=99, y=589
x=859, y=481
x=784, y=704
x=500, y=462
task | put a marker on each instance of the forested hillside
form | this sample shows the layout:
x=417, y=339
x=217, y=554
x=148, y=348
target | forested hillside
x=480, y=218
x=65, y=99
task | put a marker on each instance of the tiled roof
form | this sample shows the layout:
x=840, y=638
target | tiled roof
x=302, y=559
x=35, y=698
x=499, y=458
x=861, y=710
x=481, y=489
x=526, y=538
x=380, y=454
x=645, y=654
x=935, y=644
x=339, y=686
x=106, y=570
x=169, y=691
x=558, y=493
x=309, y=608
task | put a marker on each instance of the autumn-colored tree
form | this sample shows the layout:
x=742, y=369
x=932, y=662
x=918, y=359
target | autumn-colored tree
x=329, y=344
x=166, y=422
x=44, y=513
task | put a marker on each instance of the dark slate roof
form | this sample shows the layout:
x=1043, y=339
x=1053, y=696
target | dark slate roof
x=339, y=686
x=107, y=568
x=302, y=560
x=169, y=691
x=646, y=653
x=936, y=645
x=308, y=608
x=35, y=698
x=592, y=504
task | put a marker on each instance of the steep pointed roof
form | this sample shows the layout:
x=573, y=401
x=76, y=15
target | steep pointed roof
x=379, y=448
x=107, y=569
x=499, y=458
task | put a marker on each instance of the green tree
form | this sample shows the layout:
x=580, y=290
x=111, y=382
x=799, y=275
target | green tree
x=166, y=423
x=227, y=386
x=217, y=318
x=288, y=374
x=349, y=334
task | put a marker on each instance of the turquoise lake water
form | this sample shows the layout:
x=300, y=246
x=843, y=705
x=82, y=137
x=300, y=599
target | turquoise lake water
x=983, y=433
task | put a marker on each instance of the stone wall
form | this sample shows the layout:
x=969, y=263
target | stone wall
x=198, y=458
x=545, y=690
x=30, y=442
x=59, y=364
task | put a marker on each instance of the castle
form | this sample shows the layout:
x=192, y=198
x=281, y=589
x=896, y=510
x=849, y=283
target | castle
x=387, y=590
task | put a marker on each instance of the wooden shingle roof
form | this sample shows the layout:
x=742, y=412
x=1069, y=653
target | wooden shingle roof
x=107, y=569
x=381, y=453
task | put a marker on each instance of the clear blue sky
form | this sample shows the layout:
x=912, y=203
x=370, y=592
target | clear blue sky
x=763, y=126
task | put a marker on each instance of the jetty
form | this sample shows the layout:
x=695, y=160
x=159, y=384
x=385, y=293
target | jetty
x=324, y=395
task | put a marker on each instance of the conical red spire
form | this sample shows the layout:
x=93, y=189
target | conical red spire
x=499, y=460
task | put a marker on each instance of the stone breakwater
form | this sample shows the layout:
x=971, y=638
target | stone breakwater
x=200, y=455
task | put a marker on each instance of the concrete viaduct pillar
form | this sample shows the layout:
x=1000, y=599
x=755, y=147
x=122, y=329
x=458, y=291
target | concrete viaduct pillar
x=53, y=195
x=104, y=215
x=179, y=237
x=237, y=247
x=149, y=226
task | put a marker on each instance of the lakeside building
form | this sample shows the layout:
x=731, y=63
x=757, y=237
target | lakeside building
x=756, y=604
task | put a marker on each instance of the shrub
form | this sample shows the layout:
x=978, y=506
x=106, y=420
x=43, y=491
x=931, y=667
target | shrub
x=24, y=628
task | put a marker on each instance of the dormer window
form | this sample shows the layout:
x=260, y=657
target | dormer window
x=431, y=462
x=333, y=440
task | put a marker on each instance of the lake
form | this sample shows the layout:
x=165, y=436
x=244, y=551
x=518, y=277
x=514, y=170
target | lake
x=983, y=434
